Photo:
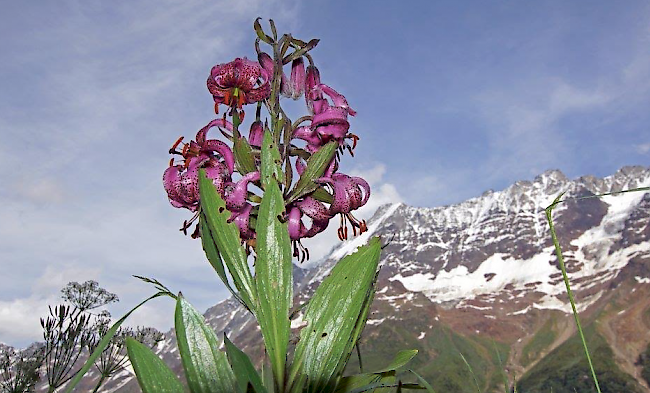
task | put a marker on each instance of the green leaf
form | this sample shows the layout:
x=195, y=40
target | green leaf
x=423, y=382
x=333, y=320
x=271, y=161
x=152, y=373
x=211, y=251
x=323, y=195
x=273, y=271
x=260, y=33
x=347, y=384
x=316, y=166
x=243, y=368
x=244, y=156
x=399, y=361
x=206, y=367
x=301, y=52
x=226, y=237
x=105, y=341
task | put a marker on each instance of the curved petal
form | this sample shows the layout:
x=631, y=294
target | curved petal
x=316, y=228
x=308, y=135
x=219, y=174
x=363, y=185
x=314, y=209
x=295, y=225
x=236, y=196
x=241, y=219
x=213, y=145
x=171, y=182
x=338, y=99
x=222, y=123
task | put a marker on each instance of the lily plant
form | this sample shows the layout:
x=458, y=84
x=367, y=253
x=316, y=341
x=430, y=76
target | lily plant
x=256, y=196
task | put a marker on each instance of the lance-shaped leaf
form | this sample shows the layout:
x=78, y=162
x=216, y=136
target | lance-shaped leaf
x=301, y=52
x=400, y=360
x=211, y=251
x=322, y=195
x=424, y=383
x=244, y=156
x=206, y=367
x=260, y=33
x=274, y=270
x=243, y=368
x=333, y=321
x=152, y=373
x=316, y=166
x=226, y=237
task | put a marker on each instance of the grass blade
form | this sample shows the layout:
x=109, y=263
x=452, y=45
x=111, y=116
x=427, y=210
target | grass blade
x=565, y=277
x=424, y=382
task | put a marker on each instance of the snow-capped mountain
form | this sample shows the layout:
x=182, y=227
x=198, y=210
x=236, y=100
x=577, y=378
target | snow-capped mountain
x=480, y=278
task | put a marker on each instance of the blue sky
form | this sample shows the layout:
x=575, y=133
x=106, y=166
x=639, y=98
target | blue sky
x=453, y=98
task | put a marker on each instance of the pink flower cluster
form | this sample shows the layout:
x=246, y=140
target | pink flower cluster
x=243, y=82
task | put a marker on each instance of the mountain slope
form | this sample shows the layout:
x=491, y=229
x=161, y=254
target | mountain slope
x=481, y=278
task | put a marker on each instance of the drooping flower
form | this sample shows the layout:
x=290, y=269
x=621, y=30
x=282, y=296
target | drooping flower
x=349, y=193
x=181, y=180
x=239, y=82
x=320, y=218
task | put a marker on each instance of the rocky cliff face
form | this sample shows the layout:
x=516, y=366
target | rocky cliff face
x=480, y=278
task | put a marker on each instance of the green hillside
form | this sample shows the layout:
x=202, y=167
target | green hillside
x=565, y=369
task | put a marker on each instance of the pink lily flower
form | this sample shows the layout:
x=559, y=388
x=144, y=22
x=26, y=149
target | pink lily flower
x=350, y=193
x=239, y=82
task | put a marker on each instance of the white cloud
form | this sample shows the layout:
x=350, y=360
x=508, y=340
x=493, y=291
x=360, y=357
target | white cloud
x=84, y=198
x=643, y=148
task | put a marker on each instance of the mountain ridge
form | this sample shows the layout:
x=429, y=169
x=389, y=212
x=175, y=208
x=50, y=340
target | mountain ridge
x=480, y=278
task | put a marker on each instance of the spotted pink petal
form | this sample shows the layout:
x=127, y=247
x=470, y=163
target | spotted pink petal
x=213, y=145
x=317, y=227
x=236, y=194
x=246, y=75
x=219, y=174
x=242, y=218
x=171, y=182
x=349, y=193
x=314, y=209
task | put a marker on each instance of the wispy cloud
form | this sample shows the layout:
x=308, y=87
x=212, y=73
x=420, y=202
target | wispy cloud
x=115, y=85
